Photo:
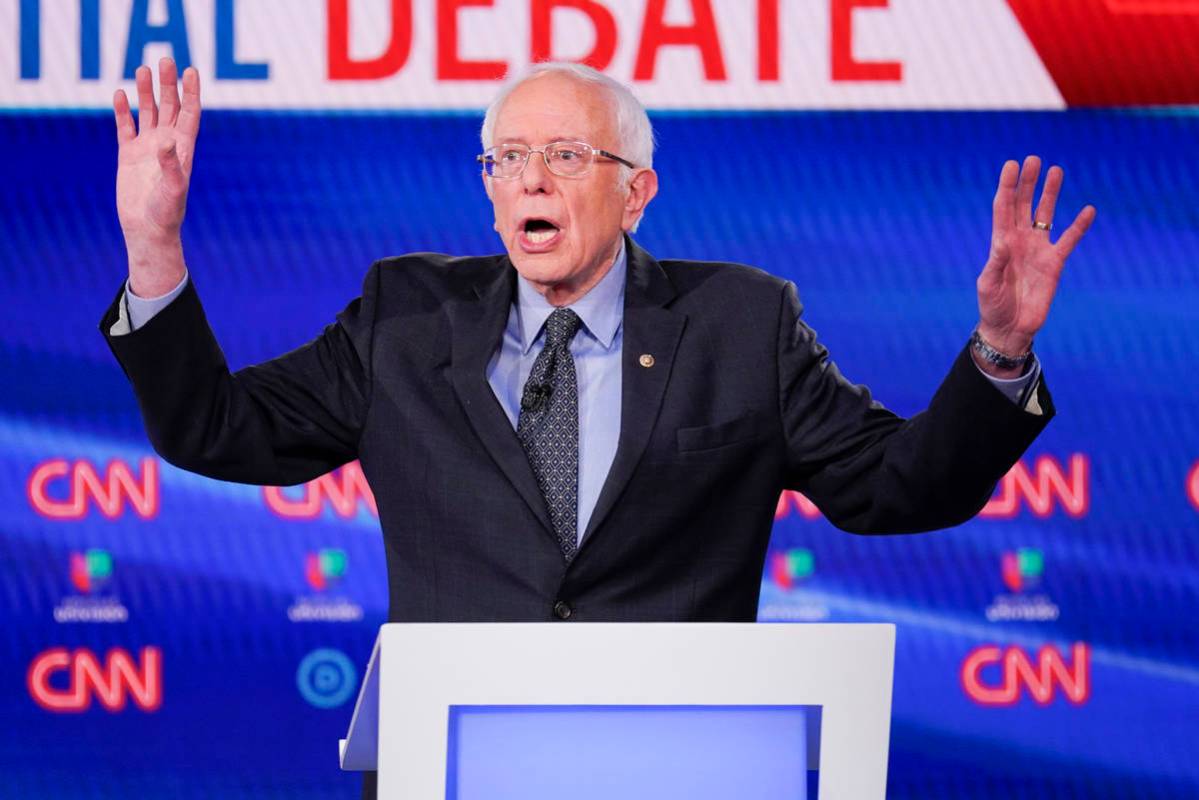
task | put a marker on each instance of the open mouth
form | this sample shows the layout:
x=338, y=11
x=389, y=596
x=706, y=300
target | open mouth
x=539, y=235
x=540, y=231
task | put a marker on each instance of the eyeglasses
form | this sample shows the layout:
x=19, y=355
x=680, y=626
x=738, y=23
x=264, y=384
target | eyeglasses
x=568, y=159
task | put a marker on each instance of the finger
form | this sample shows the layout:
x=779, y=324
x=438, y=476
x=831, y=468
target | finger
x=126, y=130
x=168, y=91
x=1004, y=212
x=147, y=111
x=1073, y=234
x=172, y=170
x=1025, y=190
x=1048, y=204
x=189, y=115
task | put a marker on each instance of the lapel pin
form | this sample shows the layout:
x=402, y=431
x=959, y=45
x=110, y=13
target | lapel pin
x=646, y=360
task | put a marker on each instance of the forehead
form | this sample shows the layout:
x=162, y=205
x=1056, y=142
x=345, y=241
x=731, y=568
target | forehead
x=553, y=106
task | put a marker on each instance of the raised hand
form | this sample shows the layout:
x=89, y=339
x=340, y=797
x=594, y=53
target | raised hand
x=1018, y=282
x=154, y=164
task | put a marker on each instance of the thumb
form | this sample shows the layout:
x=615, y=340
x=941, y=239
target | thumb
x=992, y=276
x=172, y=170
x=997, y=260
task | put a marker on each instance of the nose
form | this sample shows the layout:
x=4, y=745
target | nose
x=537, y=179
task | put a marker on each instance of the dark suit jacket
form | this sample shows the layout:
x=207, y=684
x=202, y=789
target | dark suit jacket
x=740, y=403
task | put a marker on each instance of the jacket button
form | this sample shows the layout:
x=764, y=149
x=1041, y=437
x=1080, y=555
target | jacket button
x=562, y=610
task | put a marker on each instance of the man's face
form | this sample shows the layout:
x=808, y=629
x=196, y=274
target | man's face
x=563, y=233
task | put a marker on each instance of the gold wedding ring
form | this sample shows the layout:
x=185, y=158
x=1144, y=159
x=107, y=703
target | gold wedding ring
x=1043, y=226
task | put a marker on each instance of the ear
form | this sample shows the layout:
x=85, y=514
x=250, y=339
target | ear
x=487, y=187
x=642, y=189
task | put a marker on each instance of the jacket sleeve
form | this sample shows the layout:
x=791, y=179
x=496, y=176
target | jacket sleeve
x=285, y=421
x=871, y=471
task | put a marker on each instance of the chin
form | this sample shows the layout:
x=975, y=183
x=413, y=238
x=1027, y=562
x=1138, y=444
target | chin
x=542, y=268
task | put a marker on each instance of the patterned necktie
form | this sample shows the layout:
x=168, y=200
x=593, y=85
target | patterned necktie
x=548, y=427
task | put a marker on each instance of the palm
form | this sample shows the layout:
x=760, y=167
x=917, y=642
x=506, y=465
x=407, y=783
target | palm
x=1018, y=283
x=154, y=163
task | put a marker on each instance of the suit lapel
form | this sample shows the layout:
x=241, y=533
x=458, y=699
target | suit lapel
x=478, y=327
x=649, y=329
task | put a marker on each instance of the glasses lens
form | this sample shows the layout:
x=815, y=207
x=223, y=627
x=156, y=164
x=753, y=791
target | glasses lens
x=569, y=158
x=507, y=160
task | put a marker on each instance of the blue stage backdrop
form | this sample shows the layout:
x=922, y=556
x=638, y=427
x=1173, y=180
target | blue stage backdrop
x=1047, y=649
x=169, y=636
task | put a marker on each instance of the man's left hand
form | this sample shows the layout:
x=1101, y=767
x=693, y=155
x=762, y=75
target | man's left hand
x=1020, y=277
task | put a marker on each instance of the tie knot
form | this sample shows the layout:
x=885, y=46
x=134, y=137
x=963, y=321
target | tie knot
x=561, y=327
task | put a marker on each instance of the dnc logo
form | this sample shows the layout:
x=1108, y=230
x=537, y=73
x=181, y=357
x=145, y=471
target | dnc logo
x=326, y=678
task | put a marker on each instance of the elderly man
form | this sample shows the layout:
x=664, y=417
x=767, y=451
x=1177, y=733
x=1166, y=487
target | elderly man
x=574, y=430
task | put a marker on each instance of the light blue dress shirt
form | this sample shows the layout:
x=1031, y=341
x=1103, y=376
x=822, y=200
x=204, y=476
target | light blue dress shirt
x=596, y=349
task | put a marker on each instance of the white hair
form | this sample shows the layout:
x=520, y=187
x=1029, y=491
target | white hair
x=634, y=132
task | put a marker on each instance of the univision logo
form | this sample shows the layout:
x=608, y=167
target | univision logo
x=90, y=570
x=782, y=600
x=325, y=568
x=1022, y=569
x=789, y=567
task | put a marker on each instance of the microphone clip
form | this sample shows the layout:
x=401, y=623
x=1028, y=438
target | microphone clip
x=535, y=397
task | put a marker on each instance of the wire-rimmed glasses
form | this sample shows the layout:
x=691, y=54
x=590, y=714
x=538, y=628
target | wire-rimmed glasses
x=568, y=159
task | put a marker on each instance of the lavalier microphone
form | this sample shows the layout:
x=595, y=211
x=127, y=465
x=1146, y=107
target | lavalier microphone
x=535, y=396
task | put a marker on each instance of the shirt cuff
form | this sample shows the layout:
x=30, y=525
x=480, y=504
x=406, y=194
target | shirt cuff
x=1018, y=389
x=142, y=309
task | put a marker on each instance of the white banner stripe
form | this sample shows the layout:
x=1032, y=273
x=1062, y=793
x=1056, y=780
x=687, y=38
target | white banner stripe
x=281, y=54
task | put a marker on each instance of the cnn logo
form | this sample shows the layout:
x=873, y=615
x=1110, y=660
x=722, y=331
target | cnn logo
x=792, y=502
x=1018, y=673
x=1044, y=488
x=343, y=490
x=109, y=491
x=86, y=678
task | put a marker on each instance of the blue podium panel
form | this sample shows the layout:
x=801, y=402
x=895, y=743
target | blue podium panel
x=630, y=752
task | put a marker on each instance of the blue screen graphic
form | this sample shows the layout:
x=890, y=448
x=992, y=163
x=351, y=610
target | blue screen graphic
x=634, y=752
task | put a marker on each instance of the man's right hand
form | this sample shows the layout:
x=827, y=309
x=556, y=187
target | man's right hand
x=154, y=167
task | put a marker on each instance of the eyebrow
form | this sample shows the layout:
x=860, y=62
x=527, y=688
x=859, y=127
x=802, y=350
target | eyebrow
x=522, y=140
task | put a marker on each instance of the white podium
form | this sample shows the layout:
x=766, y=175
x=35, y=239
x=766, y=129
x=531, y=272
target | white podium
x=470, y=711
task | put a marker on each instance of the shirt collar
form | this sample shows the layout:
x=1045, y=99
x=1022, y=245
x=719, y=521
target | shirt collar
x=601, y=309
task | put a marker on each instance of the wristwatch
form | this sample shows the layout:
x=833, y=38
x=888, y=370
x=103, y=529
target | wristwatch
x=993, y=356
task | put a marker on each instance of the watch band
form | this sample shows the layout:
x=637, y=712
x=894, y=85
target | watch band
x=993, y=356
